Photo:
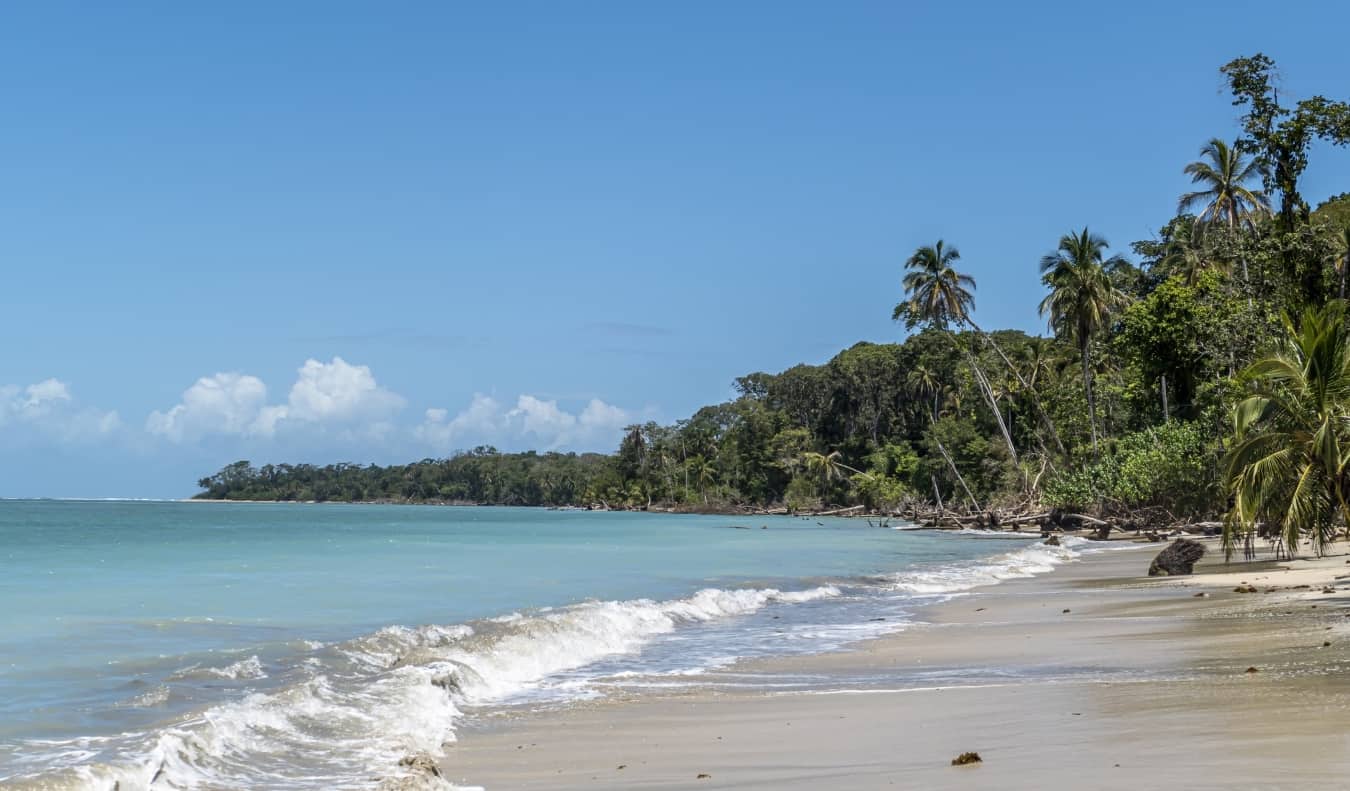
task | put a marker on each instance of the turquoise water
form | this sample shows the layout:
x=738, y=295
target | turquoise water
x=311, y=646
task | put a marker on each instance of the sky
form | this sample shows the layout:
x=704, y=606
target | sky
x=332, y=231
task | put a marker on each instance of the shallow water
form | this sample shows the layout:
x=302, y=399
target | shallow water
x=312, y=646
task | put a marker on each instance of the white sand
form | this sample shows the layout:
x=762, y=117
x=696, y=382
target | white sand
x=1141, y=684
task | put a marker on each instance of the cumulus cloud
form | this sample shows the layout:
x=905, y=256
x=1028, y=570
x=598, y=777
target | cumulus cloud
x=338, y=391
x=49, y=408
x=335, y=393
x=532, y=422
x=226, y=403
x=480, y=421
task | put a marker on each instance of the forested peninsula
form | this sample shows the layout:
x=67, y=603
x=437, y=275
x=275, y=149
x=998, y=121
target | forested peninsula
x=1203, y=374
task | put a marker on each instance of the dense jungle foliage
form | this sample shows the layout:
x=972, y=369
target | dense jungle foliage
x=1179, y=379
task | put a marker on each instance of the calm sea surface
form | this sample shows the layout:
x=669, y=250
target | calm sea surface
x=311, y=646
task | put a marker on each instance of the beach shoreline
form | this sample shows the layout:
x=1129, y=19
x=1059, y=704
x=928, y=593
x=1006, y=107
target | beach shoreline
x=1091, y=676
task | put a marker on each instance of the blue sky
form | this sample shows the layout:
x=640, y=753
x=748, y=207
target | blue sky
x=342, y=231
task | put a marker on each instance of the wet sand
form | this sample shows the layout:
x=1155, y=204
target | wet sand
x=1140, y=684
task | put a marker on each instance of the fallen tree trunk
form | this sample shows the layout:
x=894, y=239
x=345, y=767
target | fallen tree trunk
x=1022, y=520
x=838, y=511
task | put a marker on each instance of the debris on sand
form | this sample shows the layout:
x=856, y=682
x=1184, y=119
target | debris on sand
x=1178, y=559
x=965, y=759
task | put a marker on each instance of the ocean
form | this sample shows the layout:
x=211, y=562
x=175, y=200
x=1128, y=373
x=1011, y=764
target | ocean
x=148, y=645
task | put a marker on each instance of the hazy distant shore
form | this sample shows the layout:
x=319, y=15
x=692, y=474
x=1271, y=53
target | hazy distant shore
x=1089, y=677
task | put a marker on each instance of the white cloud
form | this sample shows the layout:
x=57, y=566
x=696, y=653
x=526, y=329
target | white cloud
x=49, y=407
x=43, y=395
x=336, y=393
x=533, y=422
x=226, y=403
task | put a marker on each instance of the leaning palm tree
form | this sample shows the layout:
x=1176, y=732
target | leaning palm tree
x=1224, y=196
x=938, y=295
x=827, y=468
x=1288, y=462
x=1081, y=301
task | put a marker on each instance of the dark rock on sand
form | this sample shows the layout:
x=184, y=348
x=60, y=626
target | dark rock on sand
x=964, y=759
x=1178, y=559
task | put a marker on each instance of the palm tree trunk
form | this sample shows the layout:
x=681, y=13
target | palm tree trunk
x=1087, y=387
x=1035, y=399
x=988, y=392
x=955, y=472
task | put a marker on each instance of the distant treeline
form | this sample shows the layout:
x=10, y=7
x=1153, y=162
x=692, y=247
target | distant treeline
x=482, y=475
x=1207, y=374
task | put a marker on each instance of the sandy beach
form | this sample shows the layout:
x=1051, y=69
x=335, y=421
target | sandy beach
x=1092, y=676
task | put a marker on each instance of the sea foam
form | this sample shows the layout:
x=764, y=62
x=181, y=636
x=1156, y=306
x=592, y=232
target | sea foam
x=396, y=692
x=364, y=704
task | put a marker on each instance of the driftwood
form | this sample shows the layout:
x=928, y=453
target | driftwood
x=837, y=511
x=1178, y=559
x=1028, y=518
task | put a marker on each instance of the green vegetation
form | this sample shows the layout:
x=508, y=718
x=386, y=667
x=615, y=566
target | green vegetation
x=1208, y=377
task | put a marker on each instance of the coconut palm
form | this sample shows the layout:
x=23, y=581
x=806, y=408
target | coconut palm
x=1186, y=254
x=705, y=474
x=1082, y=299
x=827, y=467
x=938, y=295
x=924, y=383
x=1224, y=196
x=935, y=292
x=1287, y=465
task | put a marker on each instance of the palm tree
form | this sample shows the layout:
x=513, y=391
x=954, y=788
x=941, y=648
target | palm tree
x=827, y=467
x=1288, y=462
x=935, y=293
x=1224, y=195
x=924, y=382
x=1082, y=299
x=938, y=295
x=705, y=474
x=1186, y=255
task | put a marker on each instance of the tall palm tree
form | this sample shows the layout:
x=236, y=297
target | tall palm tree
x=1224, y=195
x=1288, y=462
x=938, y=295
x=935, y=292
x=1082, y=299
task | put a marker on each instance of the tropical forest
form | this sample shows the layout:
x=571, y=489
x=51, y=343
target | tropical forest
x=1200, y=375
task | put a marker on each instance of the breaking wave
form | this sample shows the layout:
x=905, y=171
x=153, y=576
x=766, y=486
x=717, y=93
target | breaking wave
x=372, y=701
x=337, y=715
